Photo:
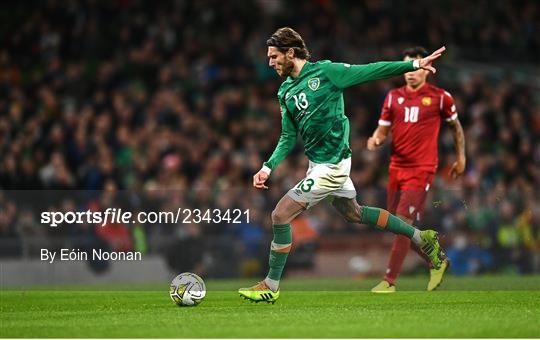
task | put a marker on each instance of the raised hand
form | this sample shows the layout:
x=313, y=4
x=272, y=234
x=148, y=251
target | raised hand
x=426, y=63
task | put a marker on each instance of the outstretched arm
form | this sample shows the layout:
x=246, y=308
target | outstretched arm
x=459, y=141
x=345, y=75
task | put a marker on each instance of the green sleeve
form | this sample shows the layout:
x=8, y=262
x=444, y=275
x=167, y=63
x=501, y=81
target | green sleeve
x=287, y=139
x=345, y=75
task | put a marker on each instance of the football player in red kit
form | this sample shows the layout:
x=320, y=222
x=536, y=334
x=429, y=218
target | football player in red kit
x=413, y=113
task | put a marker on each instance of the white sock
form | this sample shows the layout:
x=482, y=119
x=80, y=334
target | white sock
x=272, y=284
x=416, y=237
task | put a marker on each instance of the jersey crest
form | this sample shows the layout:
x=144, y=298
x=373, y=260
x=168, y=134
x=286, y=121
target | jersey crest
x=400, y=100
x=426, y=101
x=314, y=83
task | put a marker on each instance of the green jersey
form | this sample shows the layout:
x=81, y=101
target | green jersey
x=312, y=104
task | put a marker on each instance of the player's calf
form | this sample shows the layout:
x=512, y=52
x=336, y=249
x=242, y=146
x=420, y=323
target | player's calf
x=348, y=208
x=427, y=240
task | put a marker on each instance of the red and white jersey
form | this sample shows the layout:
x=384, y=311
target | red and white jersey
x=415, y=120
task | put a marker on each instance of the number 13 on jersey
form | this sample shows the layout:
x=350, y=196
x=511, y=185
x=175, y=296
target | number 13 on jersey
x=300, y=101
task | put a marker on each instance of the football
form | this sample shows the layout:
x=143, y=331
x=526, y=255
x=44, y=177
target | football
x=187, y=289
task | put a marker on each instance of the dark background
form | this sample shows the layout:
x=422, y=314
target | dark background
x=128, y=99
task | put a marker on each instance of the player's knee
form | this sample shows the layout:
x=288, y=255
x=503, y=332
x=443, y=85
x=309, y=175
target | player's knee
x=407, y=216
x=280, y=217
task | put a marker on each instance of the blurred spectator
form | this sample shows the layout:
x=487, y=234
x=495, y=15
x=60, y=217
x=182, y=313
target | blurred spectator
x=252, y=238
x=468, y=259
x=305, y=241
x=187, y=252
x=153, y=96
x=528, y=225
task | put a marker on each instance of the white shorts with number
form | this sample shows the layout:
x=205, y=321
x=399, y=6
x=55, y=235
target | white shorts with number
x=324, y=180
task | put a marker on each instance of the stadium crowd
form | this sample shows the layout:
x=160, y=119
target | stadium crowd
x=152, y=97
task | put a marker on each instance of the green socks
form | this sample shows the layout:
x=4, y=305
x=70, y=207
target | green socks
x=281, y=244
x=384, y=220
x=279, y=250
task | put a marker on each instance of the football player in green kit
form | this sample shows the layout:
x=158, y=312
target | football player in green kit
x=311, y=102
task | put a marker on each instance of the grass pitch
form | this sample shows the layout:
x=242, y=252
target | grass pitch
x=491, y=306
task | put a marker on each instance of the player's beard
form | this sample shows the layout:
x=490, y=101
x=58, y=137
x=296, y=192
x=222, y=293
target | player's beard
x=287, y=68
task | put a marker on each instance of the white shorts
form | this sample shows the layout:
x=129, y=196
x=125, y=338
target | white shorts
x=324, y=180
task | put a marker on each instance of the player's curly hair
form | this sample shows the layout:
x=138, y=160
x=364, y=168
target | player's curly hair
x=285, y=38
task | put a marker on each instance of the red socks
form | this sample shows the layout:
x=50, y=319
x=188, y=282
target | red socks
x=400, y=248
x=397, y=256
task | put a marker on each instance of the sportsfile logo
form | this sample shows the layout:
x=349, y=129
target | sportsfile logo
x=111, y=215
x=114, y=215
